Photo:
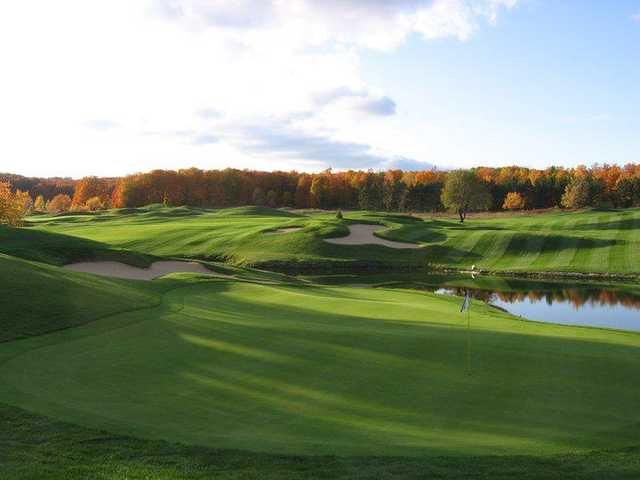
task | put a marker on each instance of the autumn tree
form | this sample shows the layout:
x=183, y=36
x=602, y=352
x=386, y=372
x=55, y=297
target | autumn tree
x=513, y=201
x=577, y=193
x=463, y=192
x=94, y=203
x=87, y=188
x=392, y=189
x=39, y=205
x=24, y=201
x=13, y=206
x=59, y=203
x=319, y=191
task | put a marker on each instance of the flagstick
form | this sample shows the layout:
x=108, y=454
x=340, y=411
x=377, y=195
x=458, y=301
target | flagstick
x=469, y=339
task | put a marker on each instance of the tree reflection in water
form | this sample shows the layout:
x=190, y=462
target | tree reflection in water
x=578, y=297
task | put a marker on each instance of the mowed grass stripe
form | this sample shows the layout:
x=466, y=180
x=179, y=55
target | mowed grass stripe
x=501, y=242
x=618, y=252
x=567, y=247
x=553, y=243
x=601, y=241
x=534, y=246
x=479, y=251
x=460, y=246
x=632, y=247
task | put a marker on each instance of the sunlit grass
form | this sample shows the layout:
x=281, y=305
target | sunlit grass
x=585, y=241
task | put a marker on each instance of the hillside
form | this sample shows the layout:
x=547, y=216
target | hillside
x=588, y=241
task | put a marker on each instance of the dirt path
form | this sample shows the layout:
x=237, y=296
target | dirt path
x=157, y=269
x=361, y=234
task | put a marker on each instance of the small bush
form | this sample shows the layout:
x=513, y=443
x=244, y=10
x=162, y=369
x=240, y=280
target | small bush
x=339, y=214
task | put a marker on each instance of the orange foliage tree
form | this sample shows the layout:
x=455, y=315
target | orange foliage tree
x=58, y=204
x=392, y=190
x=513, y=201
x=14, y=206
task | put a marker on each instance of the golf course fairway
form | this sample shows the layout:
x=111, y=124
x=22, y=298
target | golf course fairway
x=345, y=371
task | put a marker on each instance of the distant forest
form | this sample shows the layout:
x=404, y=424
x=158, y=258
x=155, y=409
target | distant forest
x=603, y=186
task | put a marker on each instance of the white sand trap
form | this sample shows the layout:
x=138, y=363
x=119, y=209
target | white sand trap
x=121, y=270
x=362, y=234
x=283, y=230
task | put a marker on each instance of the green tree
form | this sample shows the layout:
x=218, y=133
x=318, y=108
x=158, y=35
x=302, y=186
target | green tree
x=272, y=198
x=258, y=196
x=463, y=192
x=287, y=199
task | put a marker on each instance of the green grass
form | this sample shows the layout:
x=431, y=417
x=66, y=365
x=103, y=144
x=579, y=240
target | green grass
x=34, y=447
x=38, y=298
x=194, y=377
x=332, y=370
x=588, y=241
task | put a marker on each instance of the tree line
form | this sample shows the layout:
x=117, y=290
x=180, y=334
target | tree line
x=393, y=190
x=481, y=188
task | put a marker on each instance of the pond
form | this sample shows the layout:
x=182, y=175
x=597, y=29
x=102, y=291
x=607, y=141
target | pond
x=585, y=305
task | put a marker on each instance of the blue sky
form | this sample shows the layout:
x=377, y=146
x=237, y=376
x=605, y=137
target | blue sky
x=110, y=88
x=551, y=83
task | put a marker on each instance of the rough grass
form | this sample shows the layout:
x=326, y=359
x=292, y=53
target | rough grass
x=588, y=241
x=37, y=298
x=35, y=447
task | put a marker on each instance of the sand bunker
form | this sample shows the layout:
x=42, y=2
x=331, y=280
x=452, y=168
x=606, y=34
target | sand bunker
x=363, y=235
x=283, y=230
x=121, y=270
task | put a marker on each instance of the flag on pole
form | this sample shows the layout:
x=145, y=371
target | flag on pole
x=466, y=302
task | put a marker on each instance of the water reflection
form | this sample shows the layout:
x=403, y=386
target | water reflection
x=595, y=307
x=578, y=297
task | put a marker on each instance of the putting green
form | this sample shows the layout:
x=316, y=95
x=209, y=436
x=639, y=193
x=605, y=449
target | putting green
x=333, y=370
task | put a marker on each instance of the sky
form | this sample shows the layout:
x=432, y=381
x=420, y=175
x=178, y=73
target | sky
x=109, y=88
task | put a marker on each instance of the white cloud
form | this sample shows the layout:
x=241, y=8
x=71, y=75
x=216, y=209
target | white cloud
x=94, y=87
x=377, y=24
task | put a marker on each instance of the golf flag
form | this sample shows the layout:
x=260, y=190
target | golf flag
x=466, y=302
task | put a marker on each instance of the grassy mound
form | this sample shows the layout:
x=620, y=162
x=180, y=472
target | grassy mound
x=38, y=298
x=589, y=242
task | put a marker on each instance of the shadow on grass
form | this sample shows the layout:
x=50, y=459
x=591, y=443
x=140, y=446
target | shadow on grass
x=59, y=249
x=290, y=373
x=625, y=224
x=524, y=243
x=72, y=452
